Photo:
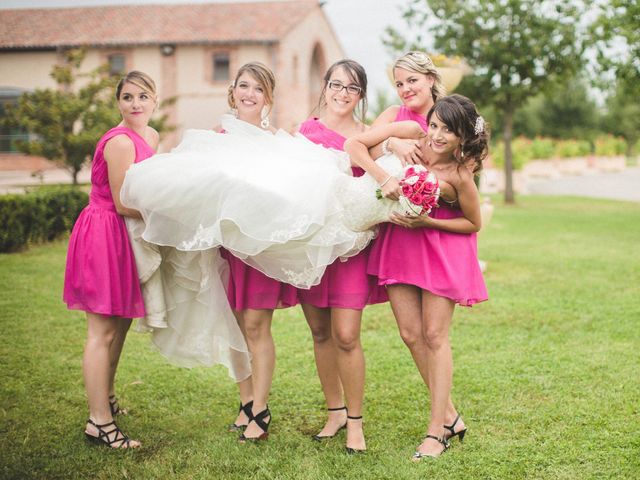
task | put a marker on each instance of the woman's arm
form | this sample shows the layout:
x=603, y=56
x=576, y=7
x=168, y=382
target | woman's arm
x=469, y=200
x=120, y=154
x=358, y=149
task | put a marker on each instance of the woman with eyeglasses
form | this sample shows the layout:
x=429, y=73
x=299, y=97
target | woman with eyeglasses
x=333, y=308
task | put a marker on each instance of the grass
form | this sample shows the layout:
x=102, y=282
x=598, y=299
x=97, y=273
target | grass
x=546, y=373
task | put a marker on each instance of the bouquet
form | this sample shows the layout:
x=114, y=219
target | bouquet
x=420, y=191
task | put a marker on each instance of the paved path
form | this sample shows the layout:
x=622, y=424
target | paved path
x=623, y=185
x=617, y=186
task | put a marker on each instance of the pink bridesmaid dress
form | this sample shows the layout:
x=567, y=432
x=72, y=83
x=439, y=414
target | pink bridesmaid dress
x=443, y=263
x=344, y=284
x=101, y=275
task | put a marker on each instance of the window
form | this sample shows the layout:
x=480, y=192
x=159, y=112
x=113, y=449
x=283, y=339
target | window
x=117, y=64
x=221, y=69
x=8, y=135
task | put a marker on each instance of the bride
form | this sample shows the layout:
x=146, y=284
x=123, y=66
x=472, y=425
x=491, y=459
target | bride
x=284, y=205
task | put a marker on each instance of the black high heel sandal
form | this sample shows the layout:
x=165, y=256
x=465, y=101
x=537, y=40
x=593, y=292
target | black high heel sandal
x=260, y=421
x=115, y=407
x=246, y=408
x=417, y=456
x=103, y=436
x=451, y=428
x=319, y=438
x=354, y=451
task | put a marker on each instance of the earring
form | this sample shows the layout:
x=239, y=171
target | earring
x=265, y=122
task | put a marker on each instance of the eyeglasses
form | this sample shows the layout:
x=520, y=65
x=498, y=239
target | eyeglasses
x=338, y=87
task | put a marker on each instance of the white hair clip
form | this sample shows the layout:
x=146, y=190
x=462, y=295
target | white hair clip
x=479, y=127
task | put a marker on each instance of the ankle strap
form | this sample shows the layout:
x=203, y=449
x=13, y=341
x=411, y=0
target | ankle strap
x=336, y=409
x=354, y=418
x=451, y=427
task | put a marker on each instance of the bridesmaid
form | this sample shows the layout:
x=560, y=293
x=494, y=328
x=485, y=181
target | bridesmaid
x=333, y=308
x=440, y=269
x=101, y=276
x=254, y=296
x=419, y=86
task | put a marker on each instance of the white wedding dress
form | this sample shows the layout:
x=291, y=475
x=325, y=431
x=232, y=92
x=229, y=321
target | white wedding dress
x=284, y=205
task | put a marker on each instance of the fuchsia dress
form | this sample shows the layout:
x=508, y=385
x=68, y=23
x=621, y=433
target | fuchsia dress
x=101, y=275
x=344, y=284
x=250, y=288
x=443, y=263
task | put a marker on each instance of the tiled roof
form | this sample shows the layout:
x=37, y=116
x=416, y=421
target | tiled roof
x=259, y=22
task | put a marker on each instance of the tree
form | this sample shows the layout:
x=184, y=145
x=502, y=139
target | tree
x=65, y=123
x=618, y=44
x=517, y=48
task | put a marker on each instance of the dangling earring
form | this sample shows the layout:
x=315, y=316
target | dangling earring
x=265, y=120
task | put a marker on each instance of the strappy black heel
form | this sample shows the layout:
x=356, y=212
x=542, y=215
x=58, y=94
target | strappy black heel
x=262, y=423
x=103, y=436
x=115, y=407
x=451, y=428
x=319, y=438
x=246, y=408
x=354, y=451
x=417, y=456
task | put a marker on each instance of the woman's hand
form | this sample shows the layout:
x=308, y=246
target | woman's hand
x=406, y=149
x=410, y=222
x=391, y=189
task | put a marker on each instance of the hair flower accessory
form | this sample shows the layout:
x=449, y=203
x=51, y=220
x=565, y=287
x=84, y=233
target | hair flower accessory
x=479, y=127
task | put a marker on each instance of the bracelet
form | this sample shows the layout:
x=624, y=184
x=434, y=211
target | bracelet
x=385, y=147
x=385, y=182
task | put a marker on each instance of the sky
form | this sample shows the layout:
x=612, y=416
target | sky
x=359, y=25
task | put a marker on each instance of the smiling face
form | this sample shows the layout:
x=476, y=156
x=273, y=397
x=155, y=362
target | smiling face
x=342, y=93
x=249, y=97
x=414, y=89
x=136, y=105
x=443, y=140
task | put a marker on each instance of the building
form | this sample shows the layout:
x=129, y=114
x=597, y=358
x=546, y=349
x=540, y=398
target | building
x=192, y=51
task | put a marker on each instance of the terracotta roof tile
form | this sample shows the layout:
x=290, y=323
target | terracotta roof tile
x=261, y=22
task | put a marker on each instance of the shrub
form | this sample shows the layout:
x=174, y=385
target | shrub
x=39, y=216
x=542, y=148
x=610, y=146
x=572, y=148
x=520, y=152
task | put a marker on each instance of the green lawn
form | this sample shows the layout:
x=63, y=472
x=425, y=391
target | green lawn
x=547, y=373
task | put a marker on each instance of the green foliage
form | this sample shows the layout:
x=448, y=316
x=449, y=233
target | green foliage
x=623, y=116
x=572, y=148
x=610, y=146
x=66, y=122
x=37, y=217
x=381, y=103
x=545, y=373
x=542, y=148
x=522, y=152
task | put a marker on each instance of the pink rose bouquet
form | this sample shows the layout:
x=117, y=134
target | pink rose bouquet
x=420, y=191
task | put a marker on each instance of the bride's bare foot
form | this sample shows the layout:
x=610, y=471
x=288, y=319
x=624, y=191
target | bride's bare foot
x=336, y=421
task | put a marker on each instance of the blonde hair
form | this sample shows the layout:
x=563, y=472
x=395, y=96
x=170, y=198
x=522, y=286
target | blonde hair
x=140, y=80
x=261, y=74
x=420, y=62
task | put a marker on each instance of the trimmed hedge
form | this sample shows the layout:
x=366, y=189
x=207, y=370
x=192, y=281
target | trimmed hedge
x=38, y=216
